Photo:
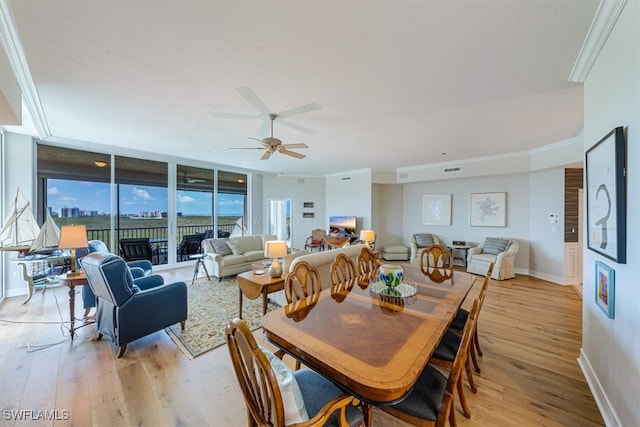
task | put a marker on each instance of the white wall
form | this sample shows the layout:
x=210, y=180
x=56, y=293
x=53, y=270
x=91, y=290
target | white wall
x=387, y=214
x=517, y=189
x=546, y=240
x=299, y=190
x=610, y=355
x=350, y=197
x=19, y=173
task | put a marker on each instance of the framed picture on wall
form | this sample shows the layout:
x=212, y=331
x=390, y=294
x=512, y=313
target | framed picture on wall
x=308, y=215
x=488, y=209
x=436, y=209
x=606, y=195
x=605, y=288
x=307, y=205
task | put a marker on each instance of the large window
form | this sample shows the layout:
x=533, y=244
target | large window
x=76, y=188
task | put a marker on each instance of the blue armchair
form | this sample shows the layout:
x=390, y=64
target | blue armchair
x=128, y=310
x=138, y=269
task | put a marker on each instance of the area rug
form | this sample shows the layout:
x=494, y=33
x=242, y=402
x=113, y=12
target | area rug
x=211, y=305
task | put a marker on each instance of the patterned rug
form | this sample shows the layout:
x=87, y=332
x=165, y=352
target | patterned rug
x=211, y=305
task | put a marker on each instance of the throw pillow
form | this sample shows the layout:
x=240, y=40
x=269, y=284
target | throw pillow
x=237, y=246
x=494, y=245
x=424, y=240
x=221, y=247
x=294, y=409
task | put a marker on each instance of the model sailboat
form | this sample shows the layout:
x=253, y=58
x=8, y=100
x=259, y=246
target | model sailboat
x=20, y=227
x=47, y=240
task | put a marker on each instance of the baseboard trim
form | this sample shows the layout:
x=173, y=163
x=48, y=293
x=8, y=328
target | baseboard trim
x=604, y=405
x=543, y=276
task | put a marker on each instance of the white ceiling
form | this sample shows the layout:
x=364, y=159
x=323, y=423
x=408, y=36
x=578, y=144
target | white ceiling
x=399, y=83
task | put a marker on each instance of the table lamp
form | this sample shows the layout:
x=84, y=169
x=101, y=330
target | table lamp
x=72, y=237
x=367, y=236
x=275, y=249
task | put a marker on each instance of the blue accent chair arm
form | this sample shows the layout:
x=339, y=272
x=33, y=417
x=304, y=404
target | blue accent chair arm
x=143, y=266
x=149, y=282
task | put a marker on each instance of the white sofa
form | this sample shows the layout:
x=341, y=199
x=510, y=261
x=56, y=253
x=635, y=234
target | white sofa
x=320, y=260
x=502, y=252
x=233, y=255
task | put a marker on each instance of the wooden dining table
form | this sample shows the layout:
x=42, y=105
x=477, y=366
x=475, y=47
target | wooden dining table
x=371, y=345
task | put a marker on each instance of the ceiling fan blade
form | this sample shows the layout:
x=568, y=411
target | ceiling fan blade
x=266, y=155
x=295, y=126
x=253, y=99
x=246, y=148
x=292, y=153
x=300, y=110
x=298, y=145
x=236, y=116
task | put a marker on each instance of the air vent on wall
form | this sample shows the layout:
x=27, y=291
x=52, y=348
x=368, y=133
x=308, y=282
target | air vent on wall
x=452, y=169
x=300, y=180
x=403, y=175
x=345, y=178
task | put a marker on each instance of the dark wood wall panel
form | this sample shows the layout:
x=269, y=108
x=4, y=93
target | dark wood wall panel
x=572, y=183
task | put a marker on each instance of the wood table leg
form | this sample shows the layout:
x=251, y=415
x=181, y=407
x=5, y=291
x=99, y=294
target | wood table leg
x=72, y=309
x=240, y=302
x=264, y=301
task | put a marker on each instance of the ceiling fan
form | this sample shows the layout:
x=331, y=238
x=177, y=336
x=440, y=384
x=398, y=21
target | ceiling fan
x=274, y=145
x=189, y=180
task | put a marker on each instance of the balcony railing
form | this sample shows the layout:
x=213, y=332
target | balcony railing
x=157, y=235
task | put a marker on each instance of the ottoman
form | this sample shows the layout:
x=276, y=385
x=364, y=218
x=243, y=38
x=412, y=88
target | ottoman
x=395, y=253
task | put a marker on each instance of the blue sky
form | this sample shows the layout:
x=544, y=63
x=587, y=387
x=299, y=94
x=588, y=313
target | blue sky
x=94, y=196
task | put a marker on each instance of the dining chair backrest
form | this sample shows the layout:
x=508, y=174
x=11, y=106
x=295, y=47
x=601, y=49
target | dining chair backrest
x=256, y=377
x=301, y=282
x=459, y=362
x=436, y=262
x=342, y=270
x=367, y=261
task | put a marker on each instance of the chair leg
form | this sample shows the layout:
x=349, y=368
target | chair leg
x=476, y=342
x=182, y=324
x=297, y=364
x=472, y=385
x=472, y=352
x=452, y=416
x=463, y=399
x=123, y=347
x=367, y=410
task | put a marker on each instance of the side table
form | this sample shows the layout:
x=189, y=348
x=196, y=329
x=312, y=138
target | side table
x=464, y=248
x=72, y=281
x=253, y=285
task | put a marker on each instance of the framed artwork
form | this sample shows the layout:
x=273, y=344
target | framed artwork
x=488, y=209
x=307, y=205
x=308, y=215
x=436, y=209
x=606, y=197
x=605, y=288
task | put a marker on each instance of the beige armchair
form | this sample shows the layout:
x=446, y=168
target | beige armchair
x=419, y=241
x=501, y=252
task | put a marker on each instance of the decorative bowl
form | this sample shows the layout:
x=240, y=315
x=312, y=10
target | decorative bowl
x=391, y=275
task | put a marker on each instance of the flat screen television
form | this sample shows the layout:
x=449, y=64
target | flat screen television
x=343, y=226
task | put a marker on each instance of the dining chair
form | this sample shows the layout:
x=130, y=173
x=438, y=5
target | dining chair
x=430, y=402
x=315, y=240
x=342, y=270
x=301, y=282
x=273, y=394
x=367, y=261
x=462, y=315
x=436, y=262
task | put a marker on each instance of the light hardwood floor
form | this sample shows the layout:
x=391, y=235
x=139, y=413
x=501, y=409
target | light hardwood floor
x=530, y=332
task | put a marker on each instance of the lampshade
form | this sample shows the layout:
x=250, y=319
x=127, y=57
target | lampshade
x=73, y=236
x=367, y=235
x=275, y=249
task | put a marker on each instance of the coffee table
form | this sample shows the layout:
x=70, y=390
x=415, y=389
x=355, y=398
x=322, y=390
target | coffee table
x=252, y=286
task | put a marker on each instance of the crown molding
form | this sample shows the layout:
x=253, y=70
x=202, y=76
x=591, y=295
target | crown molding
x=18, y=61
x=601, y=26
